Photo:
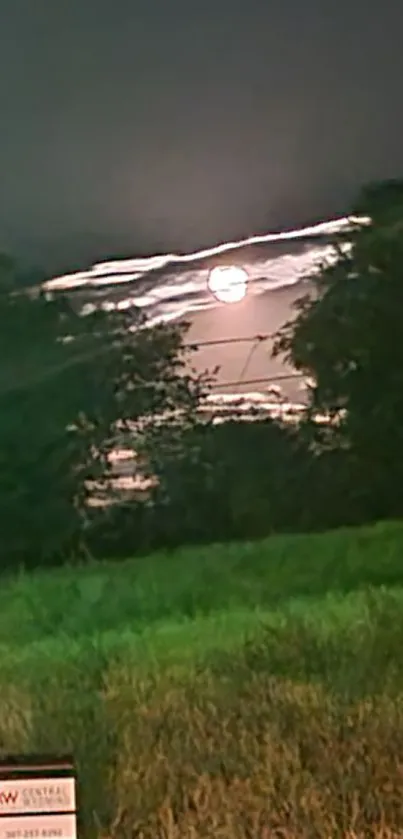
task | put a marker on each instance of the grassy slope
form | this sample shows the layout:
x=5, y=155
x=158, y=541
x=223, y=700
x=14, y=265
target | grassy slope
x=226, y=689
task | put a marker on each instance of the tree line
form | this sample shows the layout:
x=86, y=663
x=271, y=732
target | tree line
x=74, y=388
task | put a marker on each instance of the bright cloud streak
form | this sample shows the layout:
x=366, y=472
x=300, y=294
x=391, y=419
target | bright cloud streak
x=128, y=270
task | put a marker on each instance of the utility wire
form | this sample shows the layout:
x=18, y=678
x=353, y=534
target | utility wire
x=248, y=360
x=93, y=354
x=256, y=340
x=263, y=380
x=234, y=340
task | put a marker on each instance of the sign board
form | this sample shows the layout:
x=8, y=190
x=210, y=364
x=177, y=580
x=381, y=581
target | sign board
x=37, y=798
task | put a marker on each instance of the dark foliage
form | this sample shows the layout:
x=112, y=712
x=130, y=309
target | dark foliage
x=72, y=389
x=348, y=339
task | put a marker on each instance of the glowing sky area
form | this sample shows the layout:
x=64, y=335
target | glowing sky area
x=250, y=292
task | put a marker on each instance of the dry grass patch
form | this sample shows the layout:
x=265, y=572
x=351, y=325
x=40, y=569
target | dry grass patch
x=241, y=756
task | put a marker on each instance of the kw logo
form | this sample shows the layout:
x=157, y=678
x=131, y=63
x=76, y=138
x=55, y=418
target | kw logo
x=8, y=797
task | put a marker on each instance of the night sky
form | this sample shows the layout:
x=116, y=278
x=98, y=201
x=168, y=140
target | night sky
x=132, y=127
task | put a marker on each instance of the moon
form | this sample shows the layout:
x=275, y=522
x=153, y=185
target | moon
x=228, y=284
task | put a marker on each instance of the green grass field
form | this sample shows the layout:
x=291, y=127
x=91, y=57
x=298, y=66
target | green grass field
x=236, y=691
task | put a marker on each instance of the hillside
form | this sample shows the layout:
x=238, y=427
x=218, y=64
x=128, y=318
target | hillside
x=222, y=691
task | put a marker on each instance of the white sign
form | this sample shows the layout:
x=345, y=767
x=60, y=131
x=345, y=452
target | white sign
x=37, y=795
x=38, y=827
x=37, y=800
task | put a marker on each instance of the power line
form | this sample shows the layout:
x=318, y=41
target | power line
x=255, y=340
x=248, y=360
x=220, y=341
x=245, y=339
x=236, y=383
x=102, y=350
x=263, y=380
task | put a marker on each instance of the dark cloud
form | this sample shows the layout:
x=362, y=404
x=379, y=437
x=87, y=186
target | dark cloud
x=133, y=126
